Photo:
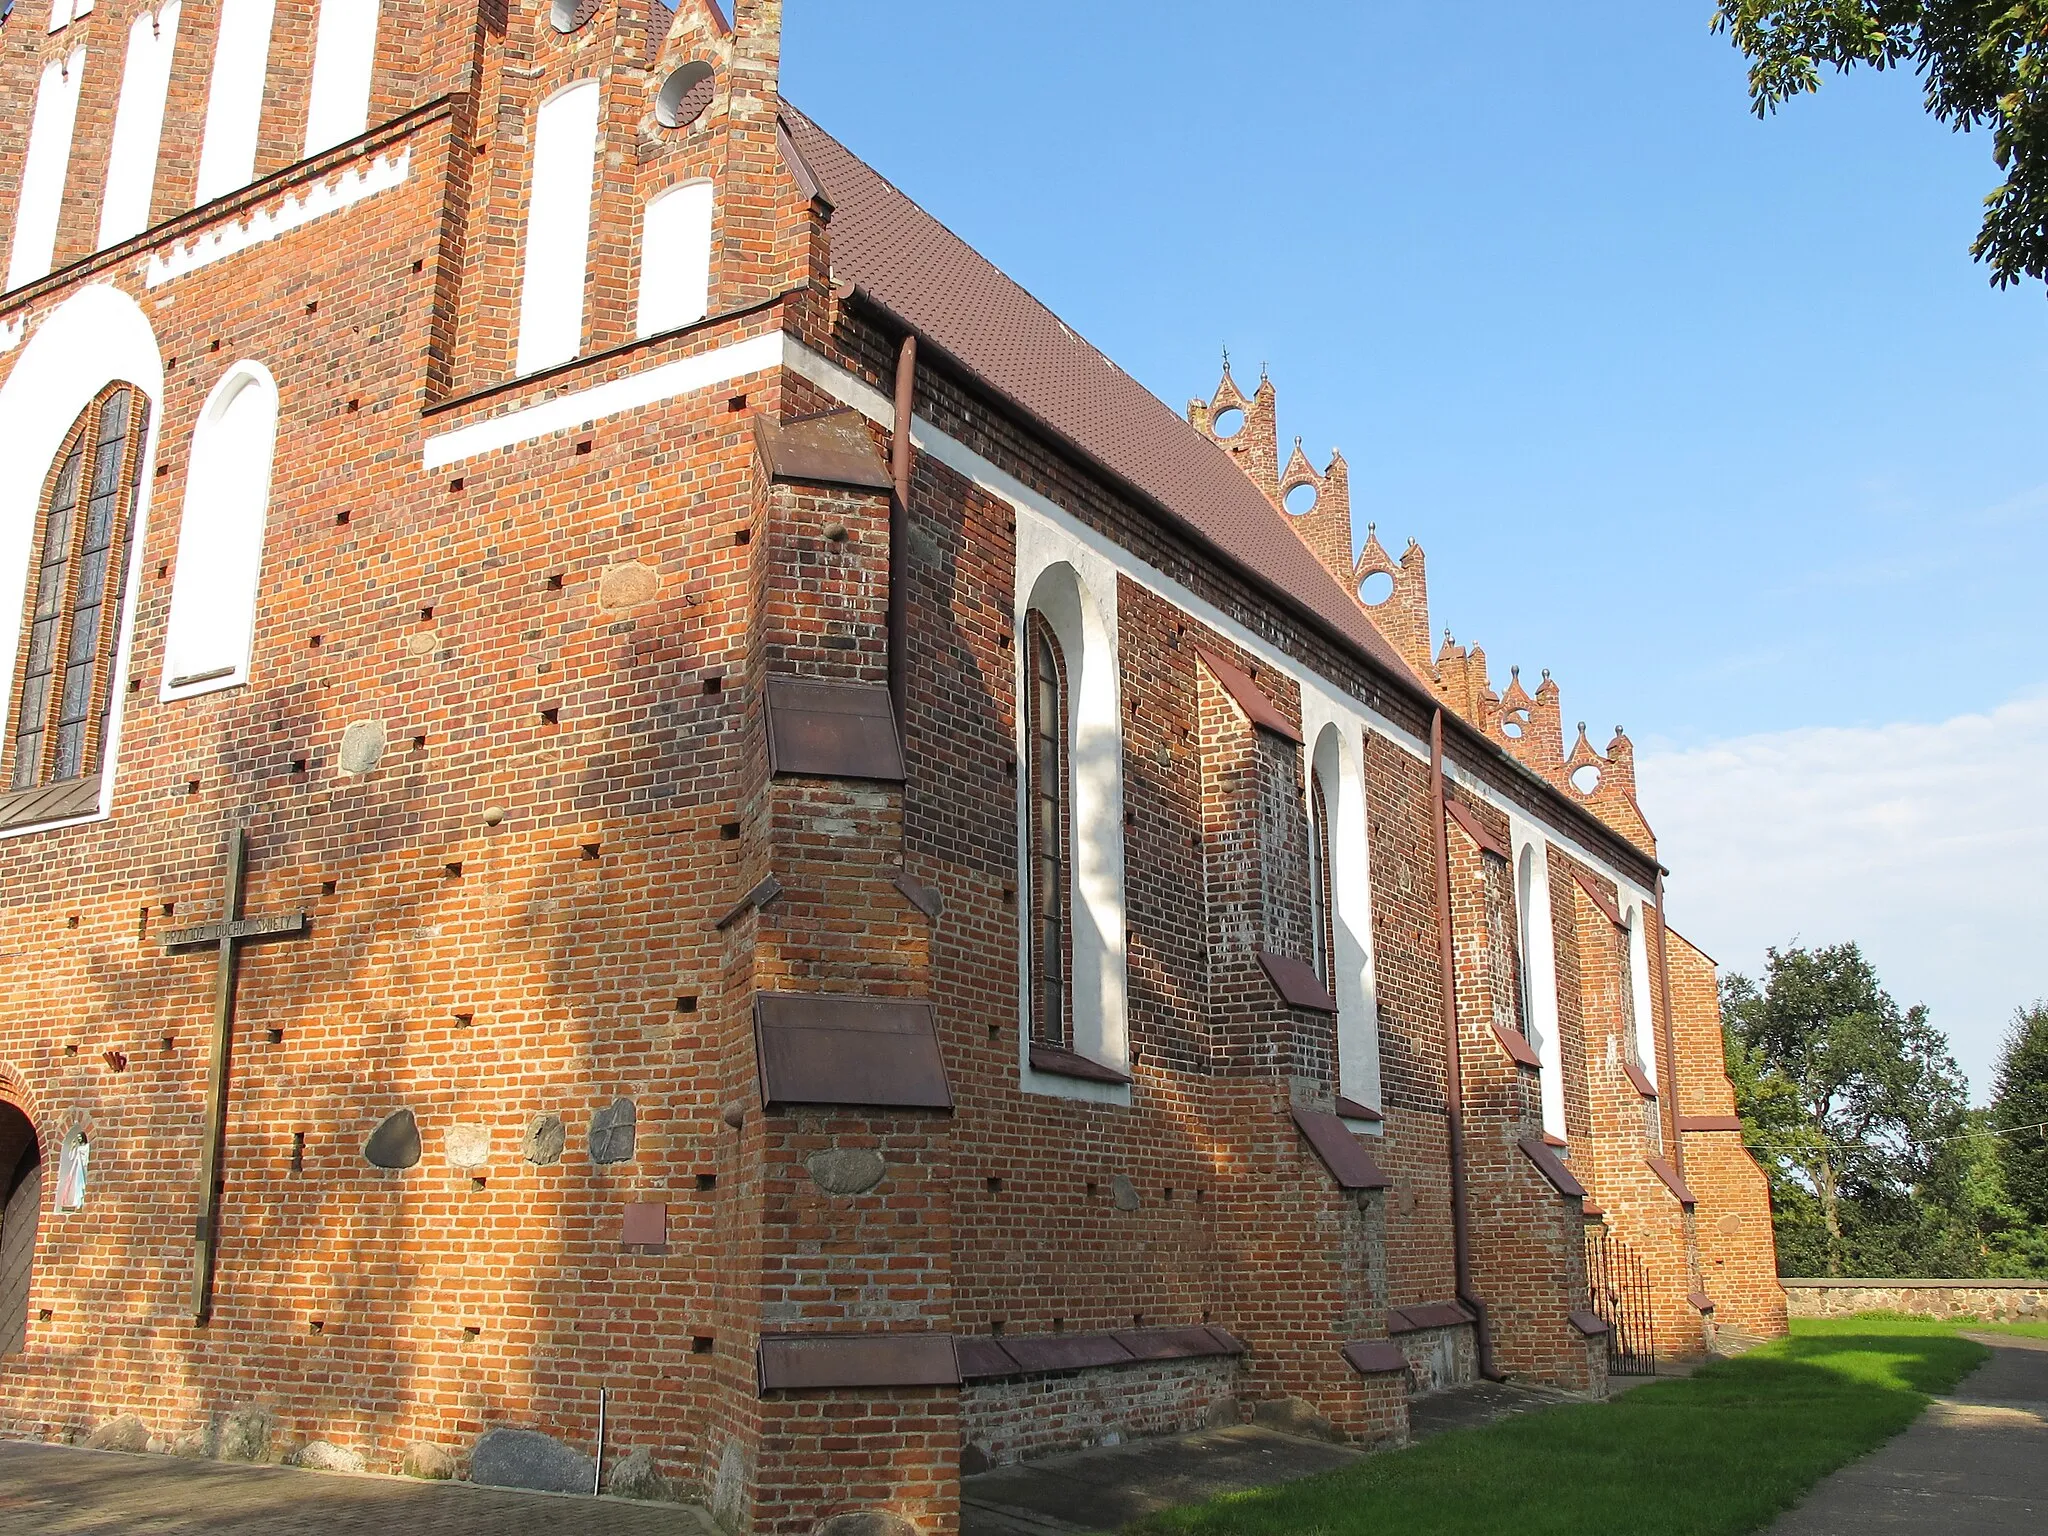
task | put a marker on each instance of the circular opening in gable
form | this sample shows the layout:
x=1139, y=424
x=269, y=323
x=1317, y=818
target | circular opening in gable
x=684, y=95
x=1585, y=779
x=1376, y=589
x=1229, y=423
x=1514, y=723
x=1302, y=498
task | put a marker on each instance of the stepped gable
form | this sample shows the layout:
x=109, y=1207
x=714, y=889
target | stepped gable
x=991, y=328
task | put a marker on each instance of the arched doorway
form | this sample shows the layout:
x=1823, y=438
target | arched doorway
x=21, y=1180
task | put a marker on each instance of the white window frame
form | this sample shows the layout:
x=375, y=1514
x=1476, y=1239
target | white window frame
x=235, y=95
x=139, y=125
x=1337, y=730
x=676, y=231
x=97, y=336
x=555, y=255
x=39, y=200
x=209, y=475
x=344, y=71
x=1538, y=941
x=1074, y=589
x=1633, y=905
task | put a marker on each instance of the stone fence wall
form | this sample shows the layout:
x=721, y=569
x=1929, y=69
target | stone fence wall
x=2002, y=1301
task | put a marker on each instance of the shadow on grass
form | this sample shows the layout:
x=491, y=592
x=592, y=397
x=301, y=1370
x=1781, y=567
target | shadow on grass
x=1719, y=1453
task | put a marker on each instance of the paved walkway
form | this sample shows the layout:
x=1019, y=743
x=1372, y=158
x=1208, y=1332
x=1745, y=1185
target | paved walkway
x=55, y=1490
x=1975, y=1464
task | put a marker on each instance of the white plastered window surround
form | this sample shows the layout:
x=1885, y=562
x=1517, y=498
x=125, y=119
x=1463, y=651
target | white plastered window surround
x=675, y=258
x=139, y=125
x=1074, y=592
x=1338, y=732
x=40, y=203
x=212, y=628
x=557, y=249
x=1633, y=905
x=1538, y=943
x=96, y=337
x=344, y=62
x=64, y=12
x=234, y=98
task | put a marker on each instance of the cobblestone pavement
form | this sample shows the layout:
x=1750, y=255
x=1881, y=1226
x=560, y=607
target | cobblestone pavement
x=1975, y=1464
x=55, y=1490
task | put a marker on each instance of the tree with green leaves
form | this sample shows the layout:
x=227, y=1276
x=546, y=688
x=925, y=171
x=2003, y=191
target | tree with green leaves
x=1847, y=1098
x=1983, y=64
x=2020, y=1111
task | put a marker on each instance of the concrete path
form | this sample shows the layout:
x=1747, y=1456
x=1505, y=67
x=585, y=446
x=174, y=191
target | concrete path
x=56, y=1490
x=1975, y=1464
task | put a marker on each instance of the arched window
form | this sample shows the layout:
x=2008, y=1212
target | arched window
x=40, y=199
x=83, y=537
x=220, y=538
x=558, y=228
x=234, y=97
x=344, y=61
x=1322, y=933
x=139, y=125
x=1050, y=828
x=675, y=258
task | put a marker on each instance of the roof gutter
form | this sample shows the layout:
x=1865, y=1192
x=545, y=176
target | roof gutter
x=1454, y=1074
x=901, y=464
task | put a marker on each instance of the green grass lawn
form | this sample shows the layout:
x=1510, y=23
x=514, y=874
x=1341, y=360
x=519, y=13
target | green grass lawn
x=1715, y=1454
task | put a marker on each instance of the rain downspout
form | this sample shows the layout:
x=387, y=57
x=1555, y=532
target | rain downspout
x=1454, y=1077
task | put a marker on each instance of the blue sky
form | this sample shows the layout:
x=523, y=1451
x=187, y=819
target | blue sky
x=1715, y=418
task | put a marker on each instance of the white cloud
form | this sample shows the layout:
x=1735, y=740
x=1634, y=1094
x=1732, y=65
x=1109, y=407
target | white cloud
x=1927, y=844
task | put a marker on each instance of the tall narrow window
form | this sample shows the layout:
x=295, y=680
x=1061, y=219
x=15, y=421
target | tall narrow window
x=41, y=199
x=234, y=98
x=344, y=61
x=1321, y=925
x=675, y=258
x=220, y=536
x=558, y=228
x=138, y=125
x=1050, y=828
x=73, y=624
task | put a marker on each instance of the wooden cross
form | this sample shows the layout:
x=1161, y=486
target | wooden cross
x=228, y=935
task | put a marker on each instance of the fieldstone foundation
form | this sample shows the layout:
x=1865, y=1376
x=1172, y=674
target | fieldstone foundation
x=1022, y=1417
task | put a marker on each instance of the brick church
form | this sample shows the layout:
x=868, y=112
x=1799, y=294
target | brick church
x=635, y=793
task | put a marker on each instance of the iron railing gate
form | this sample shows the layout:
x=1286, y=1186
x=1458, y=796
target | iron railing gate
x=1618, y=1287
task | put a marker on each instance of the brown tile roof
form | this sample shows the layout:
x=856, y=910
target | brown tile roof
x=926, y=276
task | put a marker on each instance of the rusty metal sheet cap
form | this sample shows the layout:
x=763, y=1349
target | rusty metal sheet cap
x=1251, y=698
x=1169, y=1343
x=832, y=730
x=1339, y=1148
x=830, y=449
x=1066, y=1351
x=1672, y=1181
x=835, y=1048
x=1551, y=1166
x=1375, y=1357
x=795, y=1363
x=1297, y=983
x=1434, y=1314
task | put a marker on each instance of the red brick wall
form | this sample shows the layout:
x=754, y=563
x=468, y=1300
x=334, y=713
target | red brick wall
x=561, y=951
